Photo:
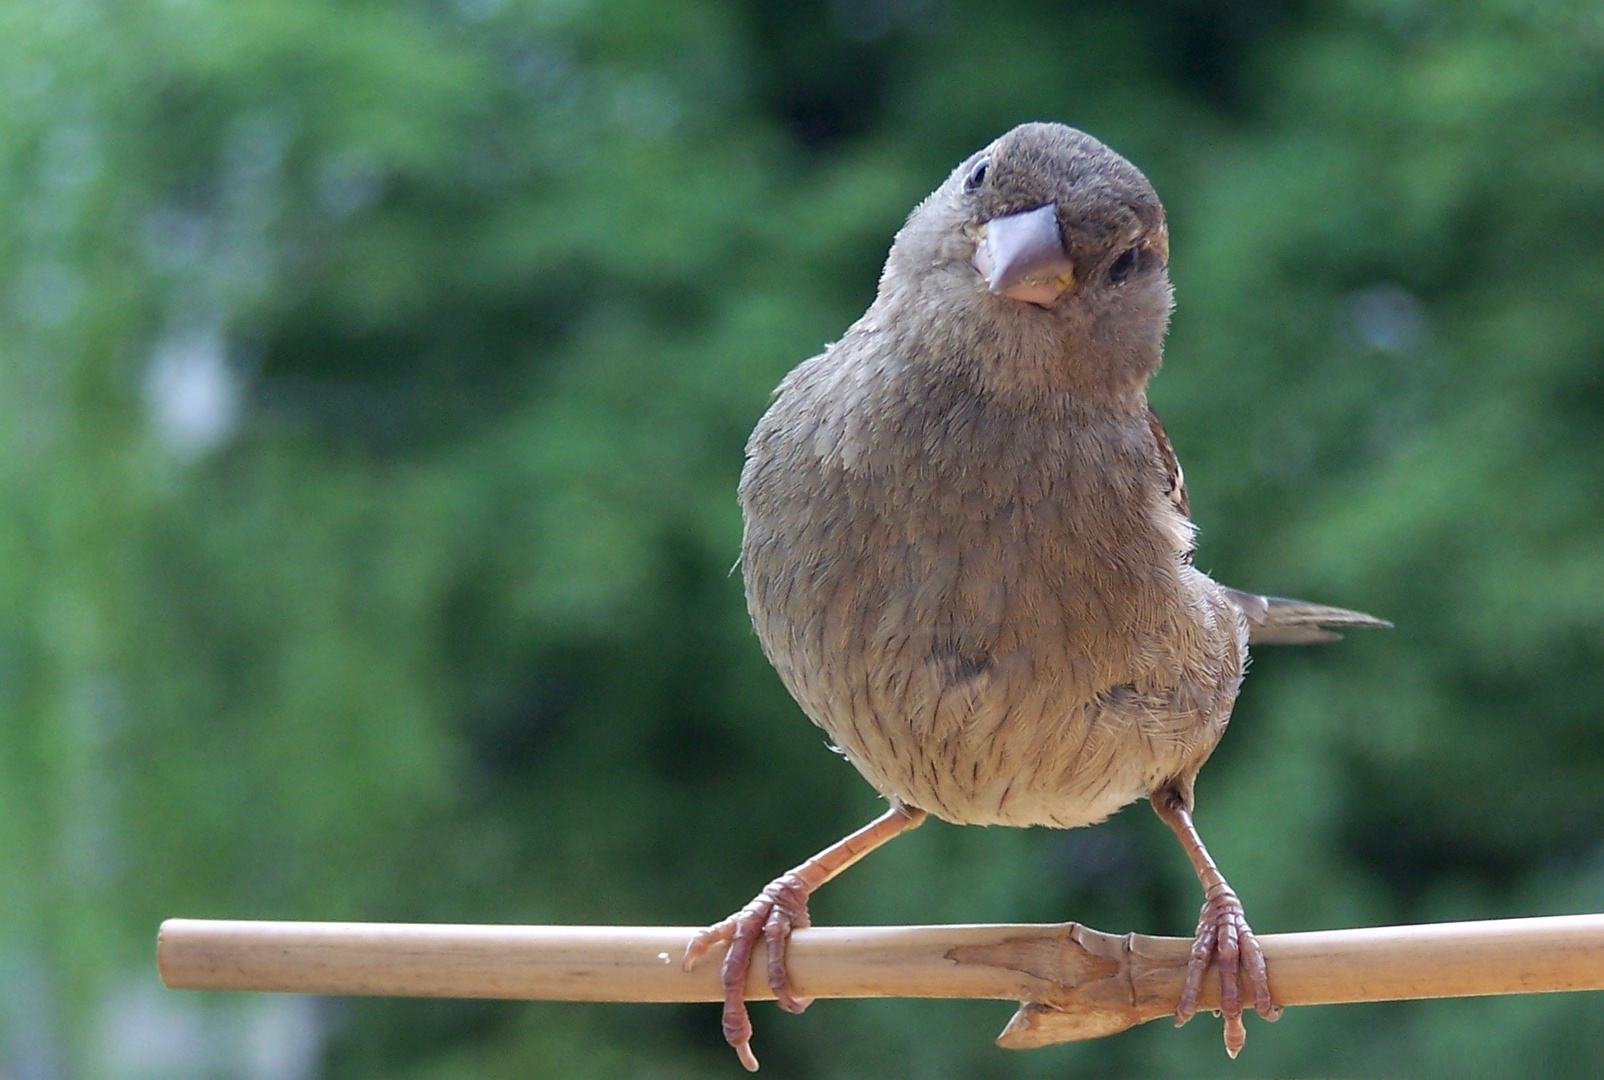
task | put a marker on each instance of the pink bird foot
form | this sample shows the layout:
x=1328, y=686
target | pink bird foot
x=1225, y=939
x=781, y=907
x=771, y=916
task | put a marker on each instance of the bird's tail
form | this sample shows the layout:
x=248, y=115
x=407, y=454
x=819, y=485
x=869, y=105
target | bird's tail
x=1274, y=620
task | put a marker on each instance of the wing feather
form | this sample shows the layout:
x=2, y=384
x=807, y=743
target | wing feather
x=1174, y=481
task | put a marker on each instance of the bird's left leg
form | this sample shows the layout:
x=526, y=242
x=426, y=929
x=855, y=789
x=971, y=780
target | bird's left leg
x=1223, y=934
x=771, y=916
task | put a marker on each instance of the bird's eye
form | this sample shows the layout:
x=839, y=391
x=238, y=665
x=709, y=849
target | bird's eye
x=1126, y=264
x=977, y=175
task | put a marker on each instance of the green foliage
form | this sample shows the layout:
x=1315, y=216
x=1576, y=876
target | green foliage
x=373, y=382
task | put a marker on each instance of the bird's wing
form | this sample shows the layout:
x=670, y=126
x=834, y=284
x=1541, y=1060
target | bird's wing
x=1174, y=479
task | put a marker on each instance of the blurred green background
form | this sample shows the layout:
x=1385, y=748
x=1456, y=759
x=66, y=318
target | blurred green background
x=373, y=383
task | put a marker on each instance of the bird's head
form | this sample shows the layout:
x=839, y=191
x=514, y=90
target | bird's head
x=1052, y=247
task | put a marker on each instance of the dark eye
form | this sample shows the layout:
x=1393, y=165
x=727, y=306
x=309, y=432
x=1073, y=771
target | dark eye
x=977, y=175
x=1125, y=265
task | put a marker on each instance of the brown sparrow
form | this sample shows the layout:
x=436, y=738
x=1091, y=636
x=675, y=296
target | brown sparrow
x=968, y=552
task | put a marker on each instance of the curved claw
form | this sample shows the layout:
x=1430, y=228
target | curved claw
x=1225, y=939
x=771, y=916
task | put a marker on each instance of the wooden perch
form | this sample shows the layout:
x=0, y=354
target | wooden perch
x=1072, y=982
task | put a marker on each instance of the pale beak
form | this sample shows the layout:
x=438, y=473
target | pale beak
x=1022, y=256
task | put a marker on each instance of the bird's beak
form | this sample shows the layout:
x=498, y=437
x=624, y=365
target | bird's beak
x=1022, y=256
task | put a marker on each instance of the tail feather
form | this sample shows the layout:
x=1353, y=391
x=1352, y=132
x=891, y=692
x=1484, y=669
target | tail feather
x=1274, y=620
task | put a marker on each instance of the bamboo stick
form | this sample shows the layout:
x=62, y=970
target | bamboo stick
x=1072, y=982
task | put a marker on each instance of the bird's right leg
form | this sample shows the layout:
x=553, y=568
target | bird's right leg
x=781, y=907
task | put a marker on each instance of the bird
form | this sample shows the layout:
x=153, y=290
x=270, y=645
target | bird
x=968, y=549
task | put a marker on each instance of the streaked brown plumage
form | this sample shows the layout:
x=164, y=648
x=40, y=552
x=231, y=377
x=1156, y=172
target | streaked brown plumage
x=968, y=551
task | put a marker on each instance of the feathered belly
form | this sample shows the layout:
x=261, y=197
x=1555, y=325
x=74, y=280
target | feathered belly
x=1013, y=725
x=991, y=752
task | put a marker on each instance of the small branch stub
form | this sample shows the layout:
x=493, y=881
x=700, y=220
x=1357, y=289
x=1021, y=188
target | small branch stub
x=1072, y=982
